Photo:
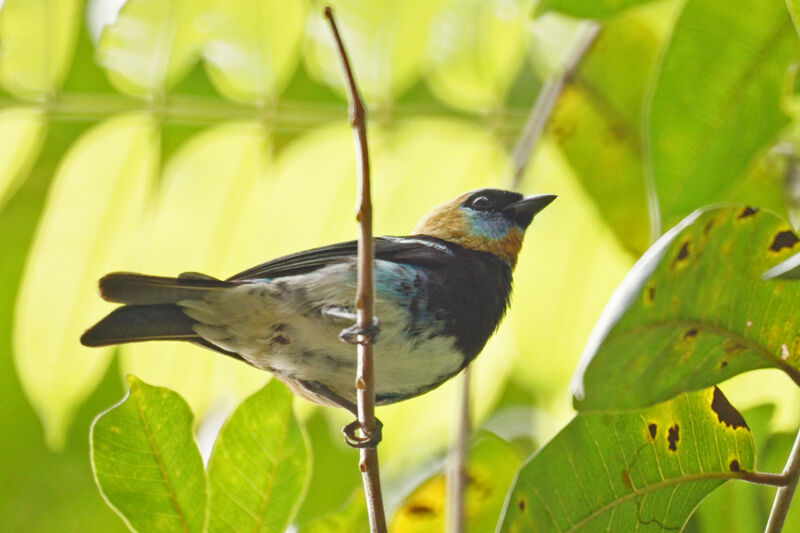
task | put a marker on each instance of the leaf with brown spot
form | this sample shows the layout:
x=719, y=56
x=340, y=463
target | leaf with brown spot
x=715, y=316
x=783, y=239
x=605, y=472
x=492, y=464
x=726, y=413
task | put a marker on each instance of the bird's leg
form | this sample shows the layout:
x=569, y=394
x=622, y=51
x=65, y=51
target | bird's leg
x=364, y=440
x=338, y=314
x=354, y=334
x=350, y=435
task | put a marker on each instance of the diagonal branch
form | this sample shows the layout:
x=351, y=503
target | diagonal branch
x=365, y=298
x=546, y=101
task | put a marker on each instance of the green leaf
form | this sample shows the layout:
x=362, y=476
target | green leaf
x=597, y=119
x=259, y=467
x=476, y=50
x=386, y=41
x=38, y=42
x=252, y=47
x=491, y=467
x=794, y=11
x=716, y=101
x=23, y=130
x=333, y=459
x=352, y=519
x=695, y=311
x=95, y=204
x=146, y=462
x=151, y=45
x=596, y=9
x=645, y=470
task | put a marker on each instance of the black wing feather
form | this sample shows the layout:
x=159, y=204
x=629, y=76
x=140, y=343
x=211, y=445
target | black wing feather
x=417, y=250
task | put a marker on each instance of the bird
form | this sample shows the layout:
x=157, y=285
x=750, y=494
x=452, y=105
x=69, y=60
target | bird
x=440, y=293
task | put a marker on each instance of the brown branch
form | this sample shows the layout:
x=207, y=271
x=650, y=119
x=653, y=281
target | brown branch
x=783, y=499
x=365, y=297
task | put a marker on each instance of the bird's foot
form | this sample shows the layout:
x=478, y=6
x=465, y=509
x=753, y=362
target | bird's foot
x=355, y=334
x=364, y=439
x=338, y=314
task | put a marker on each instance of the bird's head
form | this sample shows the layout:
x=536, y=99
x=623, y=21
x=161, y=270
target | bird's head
x=487, y=220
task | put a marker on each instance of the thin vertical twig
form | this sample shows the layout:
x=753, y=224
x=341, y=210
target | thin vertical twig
x=457, y=478
x=365, y=296
x=783, y=498
x=546, y=101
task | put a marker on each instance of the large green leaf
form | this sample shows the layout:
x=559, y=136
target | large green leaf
x=260, y=464
x=597, y=119
x=491, y=467
x=38, y=42
x=695, y=311
x=93, y=210
x=584, y=9
x=146, y=462
x=252, y=47
x=151, y=45
x=716, y=100
x=639, y=471
x=476, y=49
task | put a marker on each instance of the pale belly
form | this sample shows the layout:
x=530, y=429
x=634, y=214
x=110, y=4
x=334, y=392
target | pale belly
x=279, y=326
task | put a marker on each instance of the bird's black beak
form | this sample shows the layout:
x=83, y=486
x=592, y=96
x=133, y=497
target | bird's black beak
x=523, y=211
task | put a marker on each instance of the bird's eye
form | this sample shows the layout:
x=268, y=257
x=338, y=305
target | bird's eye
x=481, y=202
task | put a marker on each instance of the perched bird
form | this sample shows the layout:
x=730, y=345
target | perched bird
x=440, y=294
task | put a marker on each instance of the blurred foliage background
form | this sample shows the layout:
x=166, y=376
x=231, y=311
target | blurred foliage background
x=165, y=136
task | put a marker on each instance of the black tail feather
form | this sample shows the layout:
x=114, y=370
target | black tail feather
x=134, y=323
x=139, y=289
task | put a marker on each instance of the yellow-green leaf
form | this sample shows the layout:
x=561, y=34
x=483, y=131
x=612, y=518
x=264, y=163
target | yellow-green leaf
x=259, y=467
x=639, y=471
x=386, y=41
x=476, y=49
x=146, y=462
x=22, y=130
x=93, y=210
x=252, y=47
x=38, y=42
x=151, y=45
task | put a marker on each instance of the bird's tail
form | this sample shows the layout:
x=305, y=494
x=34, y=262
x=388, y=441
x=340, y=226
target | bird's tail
x=150, y=311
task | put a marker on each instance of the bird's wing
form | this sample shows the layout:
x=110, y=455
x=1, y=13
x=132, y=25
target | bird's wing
x=417, y=250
